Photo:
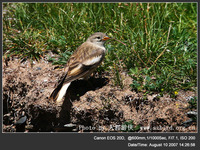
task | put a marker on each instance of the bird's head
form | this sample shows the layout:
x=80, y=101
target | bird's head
x=98, y=38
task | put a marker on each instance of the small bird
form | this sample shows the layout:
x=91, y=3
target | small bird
x=82, y=63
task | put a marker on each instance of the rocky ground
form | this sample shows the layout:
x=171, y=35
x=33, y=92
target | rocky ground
x=89, y=106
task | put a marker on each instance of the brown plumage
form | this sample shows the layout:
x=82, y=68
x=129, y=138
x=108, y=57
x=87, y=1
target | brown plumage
x=82, y=63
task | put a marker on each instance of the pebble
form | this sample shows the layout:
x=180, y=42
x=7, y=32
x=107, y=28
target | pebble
x=21, y=120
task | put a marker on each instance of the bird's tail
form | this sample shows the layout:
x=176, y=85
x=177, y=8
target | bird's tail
x=59, y=91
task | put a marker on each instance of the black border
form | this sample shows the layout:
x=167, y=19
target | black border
x=78, y=140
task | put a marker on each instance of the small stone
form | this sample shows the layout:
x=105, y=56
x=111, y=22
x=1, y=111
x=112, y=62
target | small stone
x=70, y=125
x=38, y=68
x=21, y=120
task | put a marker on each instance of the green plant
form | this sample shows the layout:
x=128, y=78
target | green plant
x=62, y=59
x=193, y=103
x=161, y=38
x=129, y=126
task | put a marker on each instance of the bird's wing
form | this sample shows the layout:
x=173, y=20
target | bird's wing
x=85, y=58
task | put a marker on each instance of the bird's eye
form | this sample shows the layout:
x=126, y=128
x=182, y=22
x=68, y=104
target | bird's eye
x=98, y=37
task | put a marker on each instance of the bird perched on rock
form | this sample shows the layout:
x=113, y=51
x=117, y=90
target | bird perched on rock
x=82, y=63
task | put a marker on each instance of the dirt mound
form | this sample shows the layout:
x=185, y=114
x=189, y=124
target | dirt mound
x=89, y=106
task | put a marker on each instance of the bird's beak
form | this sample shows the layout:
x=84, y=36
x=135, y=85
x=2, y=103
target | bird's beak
x=105, y=38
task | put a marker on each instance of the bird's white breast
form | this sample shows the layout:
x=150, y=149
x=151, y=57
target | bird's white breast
x=92, y=60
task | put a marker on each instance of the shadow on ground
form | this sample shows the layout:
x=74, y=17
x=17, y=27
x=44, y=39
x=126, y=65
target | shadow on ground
x=77, y=89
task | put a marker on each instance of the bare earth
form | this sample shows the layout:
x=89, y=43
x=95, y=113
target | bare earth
x=89, y=106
